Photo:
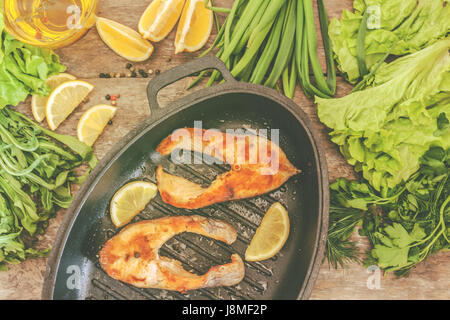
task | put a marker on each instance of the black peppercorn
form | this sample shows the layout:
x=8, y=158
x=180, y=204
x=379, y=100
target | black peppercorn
x=128, y=66
x=143, y=73
x=108, y=97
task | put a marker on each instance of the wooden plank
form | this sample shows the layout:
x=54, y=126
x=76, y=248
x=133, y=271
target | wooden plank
x=90, y=56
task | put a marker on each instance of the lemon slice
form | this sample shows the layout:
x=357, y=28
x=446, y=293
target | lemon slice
x=131, y=199
x=38, y=103
x=64, y=99
x=194, y=27
x=93, y=121
x=160, y=18
x=270, y=236
x=123, y=40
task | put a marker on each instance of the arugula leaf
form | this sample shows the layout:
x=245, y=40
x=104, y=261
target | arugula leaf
x=38, y=168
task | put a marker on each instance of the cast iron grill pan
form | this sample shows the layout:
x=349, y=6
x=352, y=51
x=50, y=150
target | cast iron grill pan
x=232, y=105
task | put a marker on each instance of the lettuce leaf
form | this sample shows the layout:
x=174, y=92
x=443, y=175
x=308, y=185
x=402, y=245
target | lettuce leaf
x=24, y=69
x=384, y=129
x=405, y=26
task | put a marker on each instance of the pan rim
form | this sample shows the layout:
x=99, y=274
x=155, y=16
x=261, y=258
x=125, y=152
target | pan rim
x=148, y=124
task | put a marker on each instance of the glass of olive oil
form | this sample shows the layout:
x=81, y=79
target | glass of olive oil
x=49, y=23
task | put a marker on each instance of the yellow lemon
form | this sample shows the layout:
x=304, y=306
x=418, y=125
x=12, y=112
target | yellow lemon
x=270, y=236
x=194, y=27
x=160, y=18
x=93, y=121
x=123, y=40
x=38, y=103
x=129, y=200
x=64, y=99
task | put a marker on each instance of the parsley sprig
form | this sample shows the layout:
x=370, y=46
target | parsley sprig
x=404, y=225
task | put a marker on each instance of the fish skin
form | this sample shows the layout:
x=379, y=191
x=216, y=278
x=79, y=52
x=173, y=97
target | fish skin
x=132, y=255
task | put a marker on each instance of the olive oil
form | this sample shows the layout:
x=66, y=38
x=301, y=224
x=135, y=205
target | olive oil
x=49, y=23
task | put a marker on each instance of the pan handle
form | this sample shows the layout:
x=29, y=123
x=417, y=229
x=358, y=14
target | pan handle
x=182, y=71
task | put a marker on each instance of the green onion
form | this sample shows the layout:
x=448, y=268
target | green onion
x=270, y=49
x=360, y=46
x=286, y=45
x=274, y=41
x=269, y=16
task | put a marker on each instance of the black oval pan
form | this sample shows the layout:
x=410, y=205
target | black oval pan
x=73, y=270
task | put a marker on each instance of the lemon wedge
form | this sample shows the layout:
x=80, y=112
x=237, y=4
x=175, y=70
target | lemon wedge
x=93, y=122
x=38, y=103
x=123, y=40
x=271, y=234
x=160, y=18
x=194, y=27
x=131, y=199
x=64, y=99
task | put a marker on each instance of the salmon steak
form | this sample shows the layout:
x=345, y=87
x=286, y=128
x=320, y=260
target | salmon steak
x=132, y=255
x=258, y=166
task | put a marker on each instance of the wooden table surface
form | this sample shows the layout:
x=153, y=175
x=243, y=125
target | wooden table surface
x=90, y=56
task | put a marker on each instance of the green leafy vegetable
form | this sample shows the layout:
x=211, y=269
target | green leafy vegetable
x=386, y=128
x=37, y=169
x=396, y=26
x=24, y=69
x=404, y=226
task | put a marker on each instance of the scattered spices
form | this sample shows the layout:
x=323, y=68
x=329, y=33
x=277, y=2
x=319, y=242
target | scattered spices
x=104, y=75
x=143, y=73
x=128, y=66
x=157, y=71
x=110, y=122
x=113, y=102
x=128, y=74
x=133, y=74
x=108, y=97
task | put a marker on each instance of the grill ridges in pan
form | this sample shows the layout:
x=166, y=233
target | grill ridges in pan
x=204, y=253
x=232, y=214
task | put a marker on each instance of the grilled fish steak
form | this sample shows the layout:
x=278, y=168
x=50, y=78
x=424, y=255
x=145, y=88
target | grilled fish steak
x=132, y=255
x=252, y=168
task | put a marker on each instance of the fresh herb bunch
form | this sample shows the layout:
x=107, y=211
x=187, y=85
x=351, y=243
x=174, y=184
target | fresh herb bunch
x=37, y=169
x=404, y=225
